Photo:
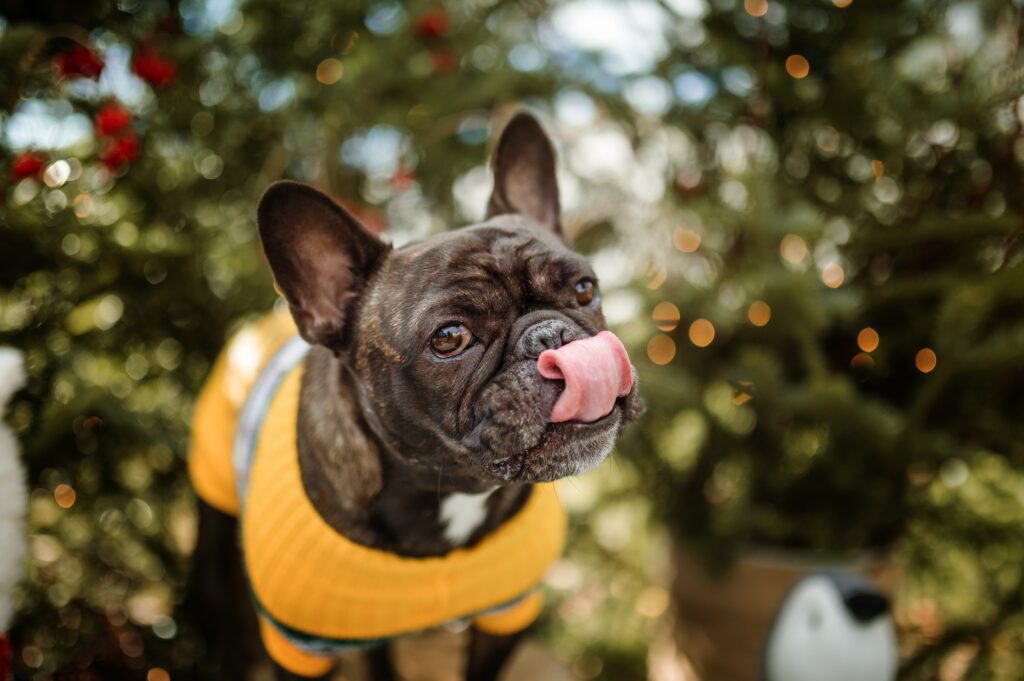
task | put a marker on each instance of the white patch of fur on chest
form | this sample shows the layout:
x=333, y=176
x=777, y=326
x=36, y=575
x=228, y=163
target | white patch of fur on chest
x=462, y=514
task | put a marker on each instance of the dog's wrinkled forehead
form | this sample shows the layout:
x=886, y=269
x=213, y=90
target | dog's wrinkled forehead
x=478, y=271
x=508, y=250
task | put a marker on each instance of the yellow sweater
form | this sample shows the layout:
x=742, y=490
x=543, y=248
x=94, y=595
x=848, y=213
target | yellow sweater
x=318, y=593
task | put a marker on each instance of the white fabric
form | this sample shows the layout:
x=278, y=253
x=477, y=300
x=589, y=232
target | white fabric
x=13, y=494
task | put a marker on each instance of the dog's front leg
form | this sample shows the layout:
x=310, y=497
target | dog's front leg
x=216, y=601
x=488, y=654
x=381, y=667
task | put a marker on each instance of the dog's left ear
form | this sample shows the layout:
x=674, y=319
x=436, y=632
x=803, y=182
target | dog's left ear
x=524, y=174
x=321, y=257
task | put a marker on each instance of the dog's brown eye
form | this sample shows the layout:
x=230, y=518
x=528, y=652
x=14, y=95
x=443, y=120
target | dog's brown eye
x=450, y=340
x=584, y=291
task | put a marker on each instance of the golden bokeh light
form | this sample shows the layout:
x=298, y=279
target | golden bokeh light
x=158, y=674
x=793, y=248
x=702, y=333
x=842, y=4
x=661, y=349
x=759, y=313
x=84, y=206
x=925, y=360
x=32, y=656
x=666, y=316
x=652, y=602
x=756, y=8
x=833, y=275
x=64, y=495
x=862, y=360
x=797, y=66
x=867, y=339
x=330, y=71
x=877, y=169
x=658, y=275
x=741, y=399
x=686, y=240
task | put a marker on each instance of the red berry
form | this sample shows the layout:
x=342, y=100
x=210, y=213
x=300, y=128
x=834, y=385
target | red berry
x=111, y=119
x=121, y=152
x=445, y=61
x=153, y=68
x=27, y=164
x=6, y=659
x=432, y=24
x=79, y=62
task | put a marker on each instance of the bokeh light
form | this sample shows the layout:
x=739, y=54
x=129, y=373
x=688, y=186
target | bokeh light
x=685, y=239
x=702, y=333
x=797, y=66
x=862, y=360
x=652, y=602
x=867, y=339
x=65, y=496
x=926, y=360
x=32, y=656
x=666, y=316
x=656, y=276
x=756, y=8
x=759, y=313
x=661, y=349
x=833, y=275
x=330, y=71
x=793, y=248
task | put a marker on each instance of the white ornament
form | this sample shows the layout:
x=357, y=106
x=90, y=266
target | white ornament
x=833, y=626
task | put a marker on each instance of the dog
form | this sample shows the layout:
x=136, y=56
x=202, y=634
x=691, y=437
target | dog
x=391, y=464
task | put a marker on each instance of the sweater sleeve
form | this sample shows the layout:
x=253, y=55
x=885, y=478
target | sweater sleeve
x=220, y=402
x=513, y=618
x=291, y=658
x=213, y=427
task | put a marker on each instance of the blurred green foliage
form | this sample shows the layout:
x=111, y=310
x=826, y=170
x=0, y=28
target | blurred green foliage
x=851, y=229
x=784, y=174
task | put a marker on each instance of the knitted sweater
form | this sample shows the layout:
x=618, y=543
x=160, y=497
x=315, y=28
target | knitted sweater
x=317, y=592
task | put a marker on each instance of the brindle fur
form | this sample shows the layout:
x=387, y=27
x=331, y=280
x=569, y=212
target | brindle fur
x=386, y=428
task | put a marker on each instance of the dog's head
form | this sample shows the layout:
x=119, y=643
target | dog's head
x=443, y=336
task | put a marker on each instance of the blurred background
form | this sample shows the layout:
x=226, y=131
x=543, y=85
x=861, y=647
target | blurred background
x=807, y=217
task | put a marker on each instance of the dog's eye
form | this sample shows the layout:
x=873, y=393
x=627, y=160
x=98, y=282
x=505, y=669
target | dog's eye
x=585, y=291
x=450, y=340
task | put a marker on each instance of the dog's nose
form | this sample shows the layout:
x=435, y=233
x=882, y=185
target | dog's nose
x=549, y=334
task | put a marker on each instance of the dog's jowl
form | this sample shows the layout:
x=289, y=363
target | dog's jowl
x=386, y=451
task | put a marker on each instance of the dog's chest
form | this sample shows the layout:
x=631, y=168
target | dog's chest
x=461, y=515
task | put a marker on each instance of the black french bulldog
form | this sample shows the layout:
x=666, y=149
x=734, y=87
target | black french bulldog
x=422, y=380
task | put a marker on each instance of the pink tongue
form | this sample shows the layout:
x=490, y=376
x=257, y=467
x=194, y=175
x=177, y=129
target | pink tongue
x=596, y=371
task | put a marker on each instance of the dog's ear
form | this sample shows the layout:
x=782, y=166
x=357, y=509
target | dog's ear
x=321, y=257
x=524, y=174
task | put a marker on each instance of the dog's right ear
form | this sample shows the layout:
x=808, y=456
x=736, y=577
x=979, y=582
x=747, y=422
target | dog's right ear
x=321, y=257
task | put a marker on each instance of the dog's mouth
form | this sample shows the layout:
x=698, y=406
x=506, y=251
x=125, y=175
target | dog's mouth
x=565, y=449
x=557, y=416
